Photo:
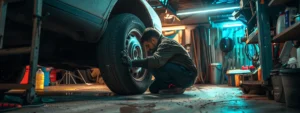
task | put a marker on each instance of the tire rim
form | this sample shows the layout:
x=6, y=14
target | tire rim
x=135, y=51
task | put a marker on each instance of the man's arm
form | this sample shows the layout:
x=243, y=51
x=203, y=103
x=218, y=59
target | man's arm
x=159, y=58
x=140, y=63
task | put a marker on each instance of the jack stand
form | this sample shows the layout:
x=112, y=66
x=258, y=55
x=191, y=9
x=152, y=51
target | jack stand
x=69, y=75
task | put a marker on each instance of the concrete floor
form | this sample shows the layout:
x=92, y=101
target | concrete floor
x=198, y=99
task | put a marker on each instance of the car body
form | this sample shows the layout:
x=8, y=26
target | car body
x=74, y=22
x=81, y=34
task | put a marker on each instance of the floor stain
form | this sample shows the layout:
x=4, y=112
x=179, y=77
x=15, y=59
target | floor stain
x=140, y=108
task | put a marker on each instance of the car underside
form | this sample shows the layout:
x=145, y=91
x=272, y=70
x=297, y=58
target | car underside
x=77, y=36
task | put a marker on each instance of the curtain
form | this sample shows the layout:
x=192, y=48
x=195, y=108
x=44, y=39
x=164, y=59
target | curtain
x=200, y=53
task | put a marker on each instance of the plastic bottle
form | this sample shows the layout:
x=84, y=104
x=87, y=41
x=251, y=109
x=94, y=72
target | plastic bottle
x=40, y=79
x=280, y=23
x=46, y=71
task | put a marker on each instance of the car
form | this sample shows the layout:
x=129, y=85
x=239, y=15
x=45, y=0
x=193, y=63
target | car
x=82, y=34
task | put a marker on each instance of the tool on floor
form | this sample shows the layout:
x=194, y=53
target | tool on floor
x=9, y=106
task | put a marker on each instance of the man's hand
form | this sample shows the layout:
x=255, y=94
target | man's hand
x=126, y=60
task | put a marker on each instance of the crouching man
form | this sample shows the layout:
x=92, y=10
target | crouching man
x=167, y=61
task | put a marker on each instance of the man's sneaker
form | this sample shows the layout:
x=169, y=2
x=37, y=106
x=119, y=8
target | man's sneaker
x=172, y=91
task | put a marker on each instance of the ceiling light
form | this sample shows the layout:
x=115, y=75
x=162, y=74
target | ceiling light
x=232, y=25
x=205, y=11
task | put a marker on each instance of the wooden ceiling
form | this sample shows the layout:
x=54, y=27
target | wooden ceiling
x=191, y=4
x=185, y=4
x=178, y=5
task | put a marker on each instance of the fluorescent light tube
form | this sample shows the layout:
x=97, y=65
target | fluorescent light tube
x=205, y=11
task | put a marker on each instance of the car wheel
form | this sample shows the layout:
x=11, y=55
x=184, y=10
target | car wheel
x=124, y=32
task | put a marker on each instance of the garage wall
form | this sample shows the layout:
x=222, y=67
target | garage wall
x=237, y=55
x=177, y=35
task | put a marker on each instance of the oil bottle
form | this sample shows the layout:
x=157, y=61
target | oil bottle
x=40, y=79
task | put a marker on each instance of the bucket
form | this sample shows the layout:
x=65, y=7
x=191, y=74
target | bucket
x=53, y=75
x=216, y=70
x=277, y=86
x=291, y=83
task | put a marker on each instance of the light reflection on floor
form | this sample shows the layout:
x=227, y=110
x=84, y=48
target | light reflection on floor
x=198, y=99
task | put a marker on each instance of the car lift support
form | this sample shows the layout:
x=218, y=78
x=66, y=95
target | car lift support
x=264, y=39
x=30, y=93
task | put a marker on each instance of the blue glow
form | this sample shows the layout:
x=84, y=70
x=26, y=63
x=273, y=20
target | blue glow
x=205, y=11
x=232, y=25
x=164, y=2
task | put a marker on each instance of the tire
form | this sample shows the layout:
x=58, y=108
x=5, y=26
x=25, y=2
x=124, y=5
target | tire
x=123, y=32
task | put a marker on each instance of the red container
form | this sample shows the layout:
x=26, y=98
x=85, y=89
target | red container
x=26, y=76
x=245, y=67
x=53, y=75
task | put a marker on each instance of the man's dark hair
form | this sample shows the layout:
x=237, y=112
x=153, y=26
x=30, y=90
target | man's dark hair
x=149, y=33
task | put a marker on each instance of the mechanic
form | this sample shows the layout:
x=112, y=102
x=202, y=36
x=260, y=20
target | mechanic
x=167, y=61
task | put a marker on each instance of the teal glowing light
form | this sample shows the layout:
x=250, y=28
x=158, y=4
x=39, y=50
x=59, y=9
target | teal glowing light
x=206, y=11
x=164, y=2
x=232, y=25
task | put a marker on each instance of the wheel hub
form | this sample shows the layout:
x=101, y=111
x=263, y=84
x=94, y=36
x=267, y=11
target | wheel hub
x=135, y=52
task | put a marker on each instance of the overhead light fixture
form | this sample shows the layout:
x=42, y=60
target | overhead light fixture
x=173, y=28
x=232, y=25
x=205, y=11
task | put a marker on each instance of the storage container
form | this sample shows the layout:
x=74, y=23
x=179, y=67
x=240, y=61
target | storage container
x=291, y=86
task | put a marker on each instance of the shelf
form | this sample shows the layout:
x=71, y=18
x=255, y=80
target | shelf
x=291, y=33
x=253, y=38
x=277, y=2
x=252, y=83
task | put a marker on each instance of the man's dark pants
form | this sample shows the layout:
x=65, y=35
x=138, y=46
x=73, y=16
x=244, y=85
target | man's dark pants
x=174, y=74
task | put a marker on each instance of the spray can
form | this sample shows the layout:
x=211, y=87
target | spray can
x=40, y=79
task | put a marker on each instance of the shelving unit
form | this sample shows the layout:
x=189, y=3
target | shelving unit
x=253, y=38
x=278, y=2
x=252, y=83
x=263, y=36
x=291, y=33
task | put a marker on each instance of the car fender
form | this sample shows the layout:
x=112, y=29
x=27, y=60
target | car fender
x=140, y=8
